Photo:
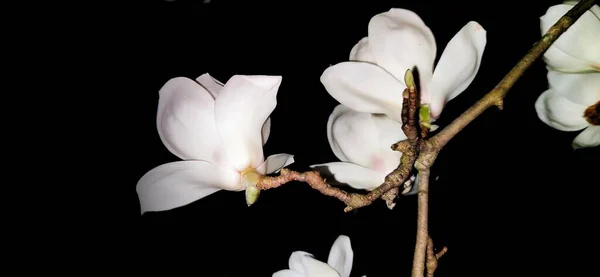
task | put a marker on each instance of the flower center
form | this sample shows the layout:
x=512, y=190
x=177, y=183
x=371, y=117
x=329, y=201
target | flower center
x=592, y=114
x=249, y=180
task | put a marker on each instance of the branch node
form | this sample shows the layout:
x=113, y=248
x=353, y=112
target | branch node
x=500, y=104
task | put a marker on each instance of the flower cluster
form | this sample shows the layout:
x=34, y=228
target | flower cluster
x=218, y=130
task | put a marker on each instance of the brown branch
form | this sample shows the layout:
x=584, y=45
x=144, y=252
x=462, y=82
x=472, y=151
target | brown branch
x=431, y=147
x=432, y=257
x=352, y=200
x=410, y=151
x=496, y=95
x=422, y=224
x=390, y=197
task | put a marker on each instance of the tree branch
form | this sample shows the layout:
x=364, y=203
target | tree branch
x=432, y=257
x=410, y=151
x=496, y=95
x=431, y=148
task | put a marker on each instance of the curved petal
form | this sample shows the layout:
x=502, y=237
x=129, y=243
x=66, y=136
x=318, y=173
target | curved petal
x=365, y=139
x=354, y=175
x=287, y=273
x=275, y=163
x=457, y=67
x=364, y=87
x=590, y=137
x=579, y=88
x=338, y=111
x=305, y=263
x=577, y=48
x=266, y=131
x=400, y=40
x=361, y=52
x=212, y=85
x=241, y=110
x=341, y=256
x=186, y=122
x=559, y=112
x=177, y=184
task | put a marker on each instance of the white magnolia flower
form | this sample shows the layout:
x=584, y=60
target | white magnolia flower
x=572, y=103
x=218, y=131
x=339, y=263
x=578, y=48
x=362, y=142
x=399, y=40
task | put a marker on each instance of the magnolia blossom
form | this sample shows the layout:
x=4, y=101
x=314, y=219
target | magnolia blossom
x=369, y=87
x=372, y=81
x=578, y=48
x=362, y=142
x=339, y=263
x=572, y=103
x=218, y=131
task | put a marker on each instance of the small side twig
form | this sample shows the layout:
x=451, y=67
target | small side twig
x=432, y=257
x=410, y=151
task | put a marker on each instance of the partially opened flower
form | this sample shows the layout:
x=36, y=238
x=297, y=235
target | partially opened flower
x=578, y=48
x=362, y=143
x=572, y=103
x=218, y=131
x=339, y=263
x=399, y=40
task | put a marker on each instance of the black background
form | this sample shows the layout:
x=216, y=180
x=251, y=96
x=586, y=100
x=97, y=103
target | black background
x=513, y=198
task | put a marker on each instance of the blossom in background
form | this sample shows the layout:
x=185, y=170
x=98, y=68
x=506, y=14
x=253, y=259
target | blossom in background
x=372, y=81
x=572, y=103
x=572, y=100
x=218, y=131
x=578, y=48
x=339, y=263
x=369, y=87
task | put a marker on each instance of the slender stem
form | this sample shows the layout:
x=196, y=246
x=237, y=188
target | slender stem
x=422, y=224
x=431, y=148
x=495, y=96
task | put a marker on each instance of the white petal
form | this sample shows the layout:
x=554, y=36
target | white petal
x=266, y=130
x=580, y=88
x=338, y=111
x=287, y=273
x=177, y=184
x=241, y=109
x=275, y=163
x=305, y=263
x=341, y=256
x=365, y=139
x=354, y=175
x=400, y=40
x=457, y=67
x=559, y=112
x=186, y=122
x=212, y=85
x=362, y=52
x=590, y=137
x=579, y=45
x=364, y=87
